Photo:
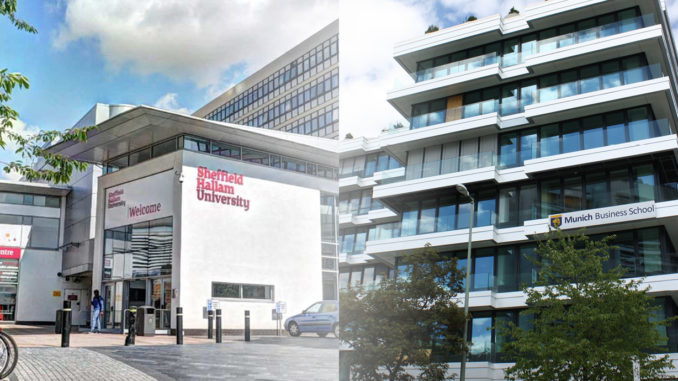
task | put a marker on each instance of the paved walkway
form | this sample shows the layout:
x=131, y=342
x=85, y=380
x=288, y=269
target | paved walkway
x=262, y=359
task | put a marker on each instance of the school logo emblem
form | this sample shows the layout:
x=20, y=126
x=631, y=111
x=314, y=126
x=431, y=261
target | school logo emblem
x=556, y=221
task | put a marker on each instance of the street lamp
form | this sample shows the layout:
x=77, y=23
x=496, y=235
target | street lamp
x=464, y=192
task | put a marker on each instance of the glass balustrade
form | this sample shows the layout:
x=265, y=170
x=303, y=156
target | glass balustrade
x=514, y=55
x=543, y=89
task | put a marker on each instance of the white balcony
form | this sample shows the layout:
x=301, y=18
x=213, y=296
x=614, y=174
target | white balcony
x=376, y=216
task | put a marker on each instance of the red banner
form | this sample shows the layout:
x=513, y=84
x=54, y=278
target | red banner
x=10, y=252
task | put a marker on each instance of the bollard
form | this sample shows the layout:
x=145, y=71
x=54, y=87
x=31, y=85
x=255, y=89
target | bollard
x=210, y=324
x=132, y=331
x=180, y=326
x=218, y=325
x=66, y=327
x=247, y=325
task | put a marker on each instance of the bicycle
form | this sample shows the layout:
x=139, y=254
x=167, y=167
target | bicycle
x=9, y=354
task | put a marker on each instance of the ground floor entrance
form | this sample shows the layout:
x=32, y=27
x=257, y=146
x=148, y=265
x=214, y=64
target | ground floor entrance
x=120, y=296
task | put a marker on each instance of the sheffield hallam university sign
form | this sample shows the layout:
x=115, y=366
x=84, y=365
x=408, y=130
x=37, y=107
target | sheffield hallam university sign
x=603, y=216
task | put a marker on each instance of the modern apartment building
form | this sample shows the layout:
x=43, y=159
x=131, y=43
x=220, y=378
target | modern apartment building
x=563, y=115
x=298, y=92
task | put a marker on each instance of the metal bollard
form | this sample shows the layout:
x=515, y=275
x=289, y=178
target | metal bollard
x=218, y=325
x=66, y=327
x=210, y=324
x=247, y=325
x=132, y=331
x=180, y=326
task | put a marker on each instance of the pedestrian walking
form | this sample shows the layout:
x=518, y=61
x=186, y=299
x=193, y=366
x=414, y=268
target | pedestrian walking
x=98, y=312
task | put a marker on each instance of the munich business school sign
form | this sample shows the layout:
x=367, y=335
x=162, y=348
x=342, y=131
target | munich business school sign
x=603, y=216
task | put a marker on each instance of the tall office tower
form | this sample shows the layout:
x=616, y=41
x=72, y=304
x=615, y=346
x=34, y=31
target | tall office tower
x=298, y=92
x=562, y=116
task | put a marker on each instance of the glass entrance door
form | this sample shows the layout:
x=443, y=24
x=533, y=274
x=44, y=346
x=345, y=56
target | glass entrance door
x=161, y=300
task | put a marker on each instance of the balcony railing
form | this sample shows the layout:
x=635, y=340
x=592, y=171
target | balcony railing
x=530, y=48
x=534, y=95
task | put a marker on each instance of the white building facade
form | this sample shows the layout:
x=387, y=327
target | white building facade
x=564, y=115
x=191, y=213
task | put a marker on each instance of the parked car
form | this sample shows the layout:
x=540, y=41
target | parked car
x=321, y=318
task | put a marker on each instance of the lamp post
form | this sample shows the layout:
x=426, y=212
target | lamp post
x=467, y=284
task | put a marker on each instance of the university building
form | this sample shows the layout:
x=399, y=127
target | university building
x=561, y=116
x=188, y=211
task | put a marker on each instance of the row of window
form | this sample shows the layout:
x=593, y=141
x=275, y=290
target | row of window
x=512, y=205
x=366, y=166
x=513, y=97
x=358, y=202
x=140, y=250
x=297, y=102
x=223, y=149
x=323, y=54
x=242, y=291
x=30, y=199
x=508, y=268
x=553, y=139
x=320, y=123
x=513, y=51
x=31, y=232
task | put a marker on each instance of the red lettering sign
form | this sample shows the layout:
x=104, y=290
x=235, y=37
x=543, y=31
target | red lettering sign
x=219, y=187
x=10, y=252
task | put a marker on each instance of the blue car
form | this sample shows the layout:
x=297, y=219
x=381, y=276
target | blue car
x=321, y=318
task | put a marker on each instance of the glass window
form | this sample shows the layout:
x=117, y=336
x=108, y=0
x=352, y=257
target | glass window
x=481, y=337
x=139, y=156
x=11, y=198
x=644, y=183
x=566, y=35
x=427, y=220
x=571, y=140
x=590, y=79
x=225, y=290
x=164, y=147
x=608, y=26
x=471, y=104
x=568, y=84
x=528, y=145
x=370, y=165
x=551, y=202
x=528, y=203
x=586, y=30
x=616, y=128
x=446, y=214
x=611, y=74
x=572, y=194
x=508, y=148
x=639, y=125
x=547, y=40
x=195, y=144
x=593, y=132
x=596, y=191
x=226, y=150
x=650, y=251
x=511, y=52
x=483, y=274
x=506, y=269
x=486, y=210
x=528, y=269
x=509, y=100
x=528, y=94
x=258, y=157
x=437, y=114
x=528, y=46
x=508, y=207
x=620, y=189
x=250, y=291
x=548, y=87
x=464, y=216
x=549, y=143
x=634, y=70
x=360, y=239
x=409, y=222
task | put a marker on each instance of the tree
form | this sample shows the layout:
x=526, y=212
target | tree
x=406, y=321
x=513, y=10
x=471, y=18
x=588, y=323
x=348, y=136
x=58, y=169
x=432, y=28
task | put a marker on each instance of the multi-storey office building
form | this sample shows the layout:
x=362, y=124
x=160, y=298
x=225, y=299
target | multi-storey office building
x=564, y=114
x=298, y=92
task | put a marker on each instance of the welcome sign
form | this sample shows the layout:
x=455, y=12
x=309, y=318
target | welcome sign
x=141, y=200
x=603, y=216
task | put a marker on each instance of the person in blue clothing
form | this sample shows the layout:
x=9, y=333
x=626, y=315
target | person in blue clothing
x=98, y=312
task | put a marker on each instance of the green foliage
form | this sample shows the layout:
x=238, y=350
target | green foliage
x=348, y=136
x=514, y=11
x=432, y=28
x=471, y=18
x=57, y=168
x=589, y=324
x=392, y=326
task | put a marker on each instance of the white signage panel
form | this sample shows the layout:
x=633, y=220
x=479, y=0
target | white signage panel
x=603, y=216
x=141, y=200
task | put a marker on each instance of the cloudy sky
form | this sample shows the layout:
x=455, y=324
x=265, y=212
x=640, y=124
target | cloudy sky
x=179, y=54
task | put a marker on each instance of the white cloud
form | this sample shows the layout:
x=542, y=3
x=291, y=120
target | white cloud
x=12, y=176
x=672, y=10
x=368, y=32
x=20, y=127
x=170, y=102
x=194, y=40
x=461, y=9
